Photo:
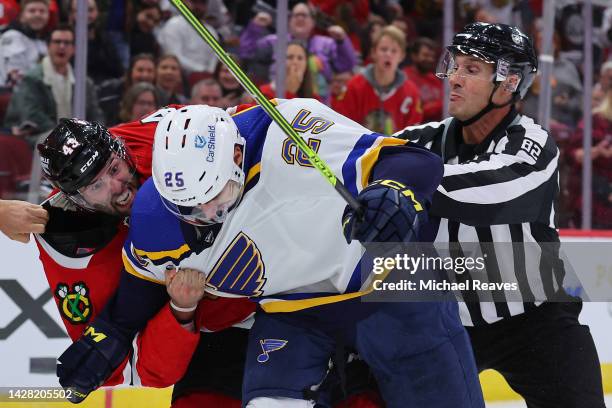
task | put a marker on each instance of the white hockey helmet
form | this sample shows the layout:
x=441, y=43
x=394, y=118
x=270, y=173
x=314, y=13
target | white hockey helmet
x=193, y=163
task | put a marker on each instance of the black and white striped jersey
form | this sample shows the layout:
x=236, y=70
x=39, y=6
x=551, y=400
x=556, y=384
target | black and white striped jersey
x=499, y=191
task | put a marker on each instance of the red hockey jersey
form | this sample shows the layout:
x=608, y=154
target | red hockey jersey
x=384, y=112
x=431, y=91
x=86, y=275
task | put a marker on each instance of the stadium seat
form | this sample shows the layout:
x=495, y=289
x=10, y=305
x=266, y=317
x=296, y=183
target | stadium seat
x=5, y=98
x=15, y=164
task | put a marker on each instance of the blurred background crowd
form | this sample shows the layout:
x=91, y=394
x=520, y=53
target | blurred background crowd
x=373, y=61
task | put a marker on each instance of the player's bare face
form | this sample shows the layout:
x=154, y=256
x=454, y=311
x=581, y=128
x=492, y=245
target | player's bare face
x=112, y=191
x=387, y=55
x=470, y=86
x=216, y=210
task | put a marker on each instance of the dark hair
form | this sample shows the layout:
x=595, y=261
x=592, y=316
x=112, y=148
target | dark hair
x=234, y=57
x=423, y=42
x=130, y=96
x=133, y=61
x=306, y=88
x=24, y=3
x=61, y=27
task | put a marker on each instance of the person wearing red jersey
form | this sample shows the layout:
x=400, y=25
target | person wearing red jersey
x=97, y=172
x=422, y=73
x=382, y=98
x=79, y=254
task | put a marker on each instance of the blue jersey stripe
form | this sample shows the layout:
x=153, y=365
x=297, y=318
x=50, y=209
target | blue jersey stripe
x=349, y=170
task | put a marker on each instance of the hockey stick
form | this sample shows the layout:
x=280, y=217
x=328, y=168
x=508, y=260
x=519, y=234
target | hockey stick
x=267, y=106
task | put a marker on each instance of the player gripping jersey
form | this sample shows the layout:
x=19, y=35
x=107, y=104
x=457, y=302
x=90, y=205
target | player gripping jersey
x=266, y=225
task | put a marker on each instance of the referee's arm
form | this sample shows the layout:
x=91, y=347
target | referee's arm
x=515, y=183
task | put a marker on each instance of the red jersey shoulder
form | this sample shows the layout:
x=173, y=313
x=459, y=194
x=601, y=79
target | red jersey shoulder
x=138, y=137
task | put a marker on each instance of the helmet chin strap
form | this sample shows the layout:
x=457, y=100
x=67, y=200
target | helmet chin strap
x=490, y=106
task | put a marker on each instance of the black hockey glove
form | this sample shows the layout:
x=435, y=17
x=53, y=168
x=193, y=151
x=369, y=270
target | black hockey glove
x=91, y=360
x=391, y=213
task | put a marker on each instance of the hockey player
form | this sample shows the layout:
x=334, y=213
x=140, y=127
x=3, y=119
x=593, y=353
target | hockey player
x=97, y=172
x=235, y=199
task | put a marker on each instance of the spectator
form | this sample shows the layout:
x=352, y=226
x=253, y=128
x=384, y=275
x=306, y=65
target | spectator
x=337, y=87
x=102, y=56
x=334, y=51
x=422, y=73
x=230, y=87
x=298, y=76
x=142, y=38
x=140, y=99
x=597, y=96
x=110, y=92
x=169, y=81
x=375, y=24
x=207, y=92
x=605, y=76
x=601, y=157
x=178, y=37
x=382, y=98
x=23, y=44
x=566, y=85
x=45, y=93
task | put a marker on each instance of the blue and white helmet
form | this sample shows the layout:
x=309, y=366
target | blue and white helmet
x=193, y=162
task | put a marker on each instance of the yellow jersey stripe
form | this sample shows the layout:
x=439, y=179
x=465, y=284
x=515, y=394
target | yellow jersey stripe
x=155, y=256
x=273, y=101
x=253, y=172
x=369, y=159
x=285, y=306
x=131, y=270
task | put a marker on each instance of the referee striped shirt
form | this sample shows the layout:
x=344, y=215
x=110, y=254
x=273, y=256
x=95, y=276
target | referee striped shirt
x=501, y=190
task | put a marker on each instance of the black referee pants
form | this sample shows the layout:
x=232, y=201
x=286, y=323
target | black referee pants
x=545, y=355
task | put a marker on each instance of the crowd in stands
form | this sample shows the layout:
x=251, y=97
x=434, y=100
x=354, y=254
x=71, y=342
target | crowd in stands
x=371, y=60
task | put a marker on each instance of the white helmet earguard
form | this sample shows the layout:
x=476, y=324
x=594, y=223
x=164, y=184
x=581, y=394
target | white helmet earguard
x=193, y=161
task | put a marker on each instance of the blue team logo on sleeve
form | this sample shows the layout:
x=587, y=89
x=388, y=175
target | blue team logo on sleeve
x=268, y=346
x=240, y=270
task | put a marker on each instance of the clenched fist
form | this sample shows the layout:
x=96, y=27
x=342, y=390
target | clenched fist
x=185, y=286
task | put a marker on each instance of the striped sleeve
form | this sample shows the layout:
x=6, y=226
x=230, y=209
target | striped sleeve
x=502, y=187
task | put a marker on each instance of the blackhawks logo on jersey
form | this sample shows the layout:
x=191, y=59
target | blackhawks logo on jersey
x=74, y=305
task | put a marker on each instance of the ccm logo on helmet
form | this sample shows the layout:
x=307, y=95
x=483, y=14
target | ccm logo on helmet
x=89, y=162
x=211, y=143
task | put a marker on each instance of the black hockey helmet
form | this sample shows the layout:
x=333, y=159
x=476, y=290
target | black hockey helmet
x=506, y=46
x=75, y=152
x=511, y=52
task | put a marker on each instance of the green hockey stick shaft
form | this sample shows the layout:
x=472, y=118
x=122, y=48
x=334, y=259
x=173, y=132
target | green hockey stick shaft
x=267, y=106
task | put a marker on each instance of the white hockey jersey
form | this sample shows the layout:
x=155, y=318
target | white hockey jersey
x=283, y=243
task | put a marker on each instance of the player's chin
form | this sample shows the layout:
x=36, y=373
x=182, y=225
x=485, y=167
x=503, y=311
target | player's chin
x=124, y=206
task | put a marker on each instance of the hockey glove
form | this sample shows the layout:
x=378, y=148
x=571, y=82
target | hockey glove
x=90, y=360
x=391, y=213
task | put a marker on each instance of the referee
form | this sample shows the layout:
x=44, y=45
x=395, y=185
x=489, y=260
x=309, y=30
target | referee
x=500, y=182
